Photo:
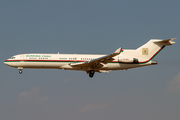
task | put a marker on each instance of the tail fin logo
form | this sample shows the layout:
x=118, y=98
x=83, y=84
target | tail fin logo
x=145, y=51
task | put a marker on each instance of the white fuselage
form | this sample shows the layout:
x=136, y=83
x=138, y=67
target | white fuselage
x=62, y=61
x=91, y=63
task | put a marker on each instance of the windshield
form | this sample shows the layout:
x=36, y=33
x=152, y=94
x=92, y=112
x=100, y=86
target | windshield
x=12, y=57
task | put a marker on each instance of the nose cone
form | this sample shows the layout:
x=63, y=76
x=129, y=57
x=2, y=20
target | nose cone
x=6, y=62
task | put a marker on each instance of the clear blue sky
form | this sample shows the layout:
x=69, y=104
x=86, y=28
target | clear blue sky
x=89, y=26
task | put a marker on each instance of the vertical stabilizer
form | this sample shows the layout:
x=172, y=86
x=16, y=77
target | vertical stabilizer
x=149, y=50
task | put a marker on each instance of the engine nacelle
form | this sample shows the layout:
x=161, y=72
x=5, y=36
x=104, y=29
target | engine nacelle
x=128, y=60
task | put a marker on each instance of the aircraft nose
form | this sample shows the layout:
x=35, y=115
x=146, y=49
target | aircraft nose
x=6, y=62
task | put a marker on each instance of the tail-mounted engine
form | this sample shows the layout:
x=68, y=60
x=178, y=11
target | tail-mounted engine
x=128, y=60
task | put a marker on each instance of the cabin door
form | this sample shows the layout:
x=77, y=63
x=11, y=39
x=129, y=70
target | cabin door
x=22, y=58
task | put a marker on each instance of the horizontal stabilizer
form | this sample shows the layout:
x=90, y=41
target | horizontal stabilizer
x=165, y=42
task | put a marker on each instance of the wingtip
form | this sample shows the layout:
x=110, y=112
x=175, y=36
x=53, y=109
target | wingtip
x=173, y=38
x=118, y=50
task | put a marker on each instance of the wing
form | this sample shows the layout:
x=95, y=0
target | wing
x=98, y=63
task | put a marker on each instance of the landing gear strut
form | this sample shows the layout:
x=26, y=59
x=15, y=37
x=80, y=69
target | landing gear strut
x=20, y=70
x=91, y=73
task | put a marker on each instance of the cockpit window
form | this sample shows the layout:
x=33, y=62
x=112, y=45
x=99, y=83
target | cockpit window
x=12, y=57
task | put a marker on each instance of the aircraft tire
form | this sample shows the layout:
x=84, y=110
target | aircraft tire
x=20, y=71
x=91, y=73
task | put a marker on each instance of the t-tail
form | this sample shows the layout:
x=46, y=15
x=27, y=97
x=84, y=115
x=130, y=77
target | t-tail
x=148, y=51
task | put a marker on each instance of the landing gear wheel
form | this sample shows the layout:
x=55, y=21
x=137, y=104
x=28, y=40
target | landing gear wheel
x=20, y=71
x=91, y=73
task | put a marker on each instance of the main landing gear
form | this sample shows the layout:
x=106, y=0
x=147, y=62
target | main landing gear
x=91, y=73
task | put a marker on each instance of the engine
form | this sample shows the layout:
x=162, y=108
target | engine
x=128, y=60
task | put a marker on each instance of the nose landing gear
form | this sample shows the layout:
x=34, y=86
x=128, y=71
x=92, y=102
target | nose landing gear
x=20, y=70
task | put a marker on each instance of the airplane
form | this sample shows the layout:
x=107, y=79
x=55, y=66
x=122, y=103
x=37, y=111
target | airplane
x=121, y=59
